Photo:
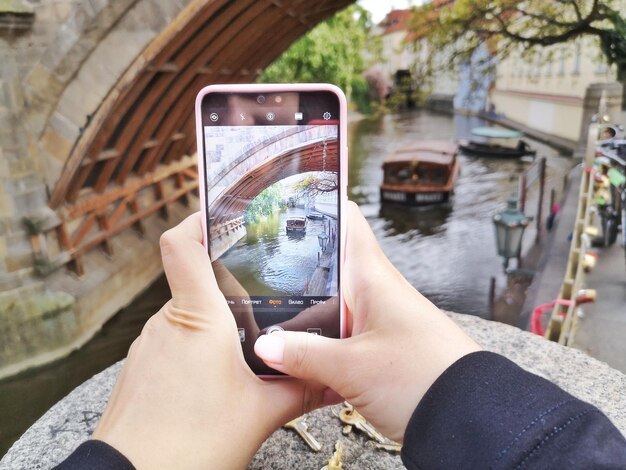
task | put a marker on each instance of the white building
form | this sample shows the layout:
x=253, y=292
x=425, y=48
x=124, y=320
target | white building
x=547, y=92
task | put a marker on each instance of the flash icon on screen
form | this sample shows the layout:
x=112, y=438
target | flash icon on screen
x=298, y=116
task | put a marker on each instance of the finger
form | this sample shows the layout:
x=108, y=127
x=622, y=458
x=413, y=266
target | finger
x=368, y=271
x=303, y=355
x=188, y=267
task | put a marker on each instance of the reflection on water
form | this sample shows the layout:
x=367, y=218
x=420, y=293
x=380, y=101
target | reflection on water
x=270, y=261
x=427, y=220
x=447, y=253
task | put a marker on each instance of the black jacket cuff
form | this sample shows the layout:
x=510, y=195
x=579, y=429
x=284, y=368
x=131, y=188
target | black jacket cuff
x=484, y=411
x=96, y=455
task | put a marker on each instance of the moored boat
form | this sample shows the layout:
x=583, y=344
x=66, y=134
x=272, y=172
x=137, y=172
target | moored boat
x=296, y=224
x=315, y=216
x=422, y=174
x=497, y=143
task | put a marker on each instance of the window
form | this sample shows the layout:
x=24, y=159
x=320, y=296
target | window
x=602, y=68
x=577, y=54
x=562, y=58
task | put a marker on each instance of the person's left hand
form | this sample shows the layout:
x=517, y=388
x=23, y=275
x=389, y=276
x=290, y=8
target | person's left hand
x=185, y=397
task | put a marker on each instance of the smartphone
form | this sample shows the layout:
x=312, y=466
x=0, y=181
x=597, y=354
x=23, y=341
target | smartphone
x=272, y=164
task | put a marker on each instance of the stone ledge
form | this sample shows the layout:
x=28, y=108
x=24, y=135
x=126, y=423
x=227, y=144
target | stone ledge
x=72, y=420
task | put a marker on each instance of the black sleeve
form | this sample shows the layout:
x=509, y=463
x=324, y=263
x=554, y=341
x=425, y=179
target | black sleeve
x=95, y=455
x=486, y=412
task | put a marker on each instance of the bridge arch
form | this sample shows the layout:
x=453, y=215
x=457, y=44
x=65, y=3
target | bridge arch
x=134, y=155
x=92, y=46
x=233, y=186
x=147, y=117
x=100, y=133
x=101, y=136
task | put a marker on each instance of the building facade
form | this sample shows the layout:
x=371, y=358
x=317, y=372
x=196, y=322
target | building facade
x=547, y=92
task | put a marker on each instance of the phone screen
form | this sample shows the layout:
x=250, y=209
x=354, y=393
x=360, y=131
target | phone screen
x=271, y=164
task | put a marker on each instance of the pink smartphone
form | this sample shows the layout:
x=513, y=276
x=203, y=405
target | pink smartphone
x=273, y=178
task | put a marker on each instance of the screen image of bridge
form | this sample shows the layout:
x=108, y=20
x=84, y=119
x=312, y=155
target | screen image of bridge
x=272, y=208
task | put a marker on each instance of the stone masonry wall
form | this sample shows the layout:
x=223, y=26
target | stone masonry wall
x=58, y=60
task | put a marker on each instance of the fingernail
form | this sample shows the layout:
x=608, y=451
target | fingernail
x=270, y=348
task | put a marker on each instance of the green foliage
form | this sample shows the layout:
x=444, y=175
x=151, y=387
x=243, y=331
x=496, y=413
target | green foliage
x=33, y=225
x=329, y=53
x=507, y=25
x=44, y=266
x=267, y=202
x=613, y=43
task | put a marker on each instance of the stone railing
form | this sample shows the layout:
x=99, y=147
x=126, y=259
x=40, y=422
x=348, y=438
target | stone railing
x=72, y=420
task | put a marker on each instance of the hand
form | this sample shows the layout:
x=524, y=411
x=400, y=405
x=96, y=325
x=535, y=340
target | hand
x=243, y=314
x=185, y=397
x=400, y=341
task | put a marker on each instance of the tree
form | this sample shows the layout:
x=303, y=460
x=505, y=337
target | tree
x=313, y=185
x=263, y=205
x=330, y=52
x=527, y=24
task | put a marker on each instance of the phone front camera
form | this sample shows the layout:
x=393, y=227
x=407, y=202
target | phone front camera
x=260, y=99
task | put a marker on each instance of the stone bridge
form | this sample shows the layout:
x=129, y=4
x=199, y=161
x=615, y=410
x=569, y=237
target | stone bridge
x=235, y=184
x=97, y=146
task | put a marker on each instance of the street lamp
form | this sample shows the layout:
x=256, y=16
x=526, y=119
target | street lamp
x=510, y=225
x=322, y=238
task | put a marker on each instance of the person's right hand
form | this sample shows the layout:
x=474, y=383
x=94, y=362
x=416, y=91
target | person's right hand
x=400, y=344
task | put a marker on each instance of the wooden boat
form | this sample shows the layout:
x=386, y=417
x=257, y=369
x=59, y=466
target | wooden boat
x=497, y=143
x=420, y=175
x=315, y=216
x=296, y=224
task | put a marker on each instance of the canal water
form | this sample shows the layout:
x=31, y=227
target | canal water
x=271, y=261
x=449, y=254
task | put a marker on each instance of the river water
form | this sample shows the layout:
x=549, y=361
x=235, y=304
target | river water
x=448, y=254
x=271, y=261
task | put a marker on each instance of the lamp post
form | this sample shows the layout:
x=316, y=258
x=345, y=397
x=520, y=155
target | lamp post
x=322, y=238
x=510, y=225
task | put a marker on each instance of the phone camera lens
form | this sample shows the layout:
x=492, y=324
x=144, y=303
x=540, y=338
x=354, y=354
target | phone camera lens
x=278, y=99
x=260, y=99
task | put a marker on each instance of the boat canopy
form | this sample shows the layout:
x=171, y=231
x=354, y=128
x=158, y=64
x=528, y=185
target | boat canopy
x=439, y=152
x=496, y=133
x=420, y=156
x=435, y=146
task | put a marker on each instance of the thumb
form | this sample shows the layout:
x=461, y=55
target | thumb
x=188, y=268
x=302, y=355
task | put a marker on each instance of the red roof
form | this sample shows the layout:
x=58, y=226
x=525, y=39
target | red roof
x=396, y=20
x=431, y=10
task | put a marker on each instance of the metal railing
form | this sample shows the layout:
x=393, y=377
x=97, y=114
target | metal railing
x=563, y=321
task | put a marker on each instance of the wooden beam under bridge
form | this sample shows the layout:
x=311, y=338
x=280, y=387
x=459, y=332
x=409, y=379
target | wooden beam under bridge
x=93, y=220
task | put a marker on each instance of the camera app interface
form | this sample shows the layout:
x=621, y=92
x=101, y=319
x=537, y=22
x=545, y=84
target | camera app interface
x=272, y=184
